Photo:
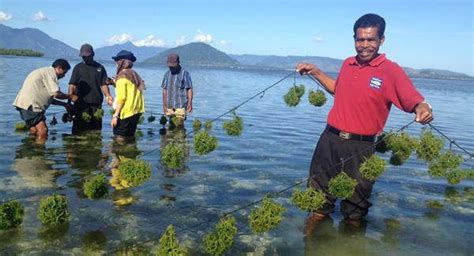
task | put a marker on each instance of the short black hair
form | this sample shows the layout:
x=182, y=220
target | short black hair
x=61, y=63
x=370, y=20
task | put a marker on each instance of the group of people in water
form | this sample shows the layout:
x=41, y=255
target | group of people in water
x=89, y=86
x=367, y=85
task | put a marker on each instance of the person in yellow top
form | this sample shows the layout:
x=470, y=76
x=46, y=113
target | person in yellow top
x=130, y=103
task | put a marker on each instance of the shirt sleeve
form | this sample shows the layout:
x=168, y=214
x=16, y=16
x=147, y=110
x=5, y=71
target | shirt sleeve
x=103, y=76
x=188, y=84
x=121, y=90
x=404, y=95
x=50, y=81
x=164, y=83
x=74, y=76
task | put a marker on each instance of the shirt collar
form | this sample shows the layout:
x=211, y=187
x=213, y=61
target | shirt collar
x=375, y=62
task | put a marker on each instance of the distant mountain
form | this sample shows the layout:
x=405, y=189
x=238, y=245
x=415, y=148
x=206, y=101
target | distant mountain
x=141, y=52
x=36, y=40
x=289, y=62
x=199, y=54
x=436, y=73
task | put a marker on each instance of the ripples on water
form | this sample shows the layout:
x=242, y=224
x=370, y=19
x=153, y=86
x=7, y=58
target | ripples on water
x=273, y=152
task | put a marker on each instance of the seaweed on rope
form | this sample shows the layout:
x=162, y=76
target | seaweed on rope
x=267, y=216
x=221, y=238
x=308, y=200
x=235, y=126
x=317, y=98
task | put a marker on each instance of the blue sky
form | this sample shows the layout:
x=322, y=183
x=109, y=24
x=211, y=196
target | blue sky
x=419, y=34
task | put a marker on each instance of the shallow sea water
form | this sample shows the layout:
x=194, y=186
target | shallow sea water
x=273, y=153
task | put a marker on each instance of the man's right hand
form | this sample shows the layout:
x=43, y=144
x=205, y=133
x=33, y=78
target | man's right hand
x=307, y=69
x=73, y=97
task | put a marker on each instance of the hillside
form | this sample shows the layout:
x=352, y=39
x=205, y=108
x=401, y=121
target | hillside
x=36, y=40
x=142, y=53
x=199, y=54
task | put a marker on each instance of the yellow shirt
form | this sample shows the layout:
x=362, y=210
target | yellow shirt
x=130, y=97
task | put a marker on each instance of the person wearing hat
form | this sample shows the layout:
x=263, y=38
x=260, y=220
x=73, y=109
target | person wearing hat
x=90, y=83
x=129, y=101
x=177, y=89
x=41, y=89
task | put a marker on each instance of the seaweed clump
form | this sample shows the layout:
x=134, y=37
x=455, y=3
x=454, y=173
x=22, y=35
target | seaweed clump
x=445, y=163
x=11, y=214
x=342, y=186
x=96, y=187
x=197, y=125
x=98, y=114
x=235, y=126
x=293, y=96
x=163, y=120
x=86, y=117
x=308, y=200
x=172, y=156
x=21, y=127
x=135, y=172
x=429, y=146
x=169, y=245
x=53, y=210
x=266, y=217
x=372, y=167
x=401, y=146
x=204, y=143
x=317, y=98
x=222, y=237
x=208, y=125
x=151, y=118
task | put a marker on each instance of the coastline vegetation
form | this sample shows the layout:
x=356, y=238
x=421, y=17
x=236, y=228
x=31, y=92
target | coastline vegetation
x=20, y=52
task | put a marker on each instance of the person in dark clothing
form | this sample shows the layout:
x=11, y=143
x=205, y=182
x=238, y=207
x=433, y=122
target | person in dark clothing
x=367, y=86
x=90, y=83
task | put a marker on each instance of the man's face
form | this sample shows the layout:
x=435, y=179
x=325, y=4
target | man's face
x=60, y=72
x=367, y=44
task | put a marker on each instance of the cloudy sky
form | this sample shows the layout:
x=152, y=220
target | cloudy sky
x=419, y=34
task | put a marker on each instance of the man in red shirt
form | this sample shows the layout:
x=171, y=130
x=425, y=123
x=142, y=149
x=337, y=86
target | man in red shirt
x=367, y=86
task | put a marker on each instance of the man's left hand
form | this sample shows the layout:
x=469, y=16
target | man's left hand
x=189, y=108
x=424, y=113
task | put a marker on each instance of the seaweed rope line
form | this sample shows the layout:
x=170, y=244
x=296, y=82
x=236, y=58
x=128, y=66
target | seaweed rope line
x=262, y=92
x=270, y=194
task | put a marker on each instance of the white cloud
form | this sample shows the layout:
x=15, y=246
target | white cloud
x=202, y=37
x=40, y=16
x=150, y=40
x=222, y=42
x=120, y=39
x=181, y=40
x=317, y=39
x=5, y=16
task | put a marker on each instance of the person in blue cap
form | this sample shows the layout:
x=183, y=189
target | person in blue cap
x=129, y=102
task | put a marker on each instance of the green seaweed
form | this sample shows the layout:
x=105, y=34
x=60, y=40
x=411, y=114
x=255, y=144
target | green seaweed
x=234, y=127
x=11, y=214
x=163, y=120
x=172, y=156
x=429, y=146
x=455, y=176
x=96, y=187
x=308, y=200
x=317, y=98
x=98, y=114
x=21, y=127
x=86, y=117
x=141, y=119
x=169, y=245
x=401, y=146
x=444, y=163
x=342, y=185
x=204, y=143
x=222, y=237
x=151, y=118
x=135, y=172
x=293, y=96
x=176, y=122
x=53, y=210
x=208, y=125
x=433, y=204
x=266, y=217
x=197, y=125
x=372, y=167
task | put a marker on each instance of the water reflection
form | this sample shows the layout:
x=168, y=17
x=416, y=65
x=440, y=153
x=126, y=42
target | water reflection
x=84, y=152
x=94, y=242
x=324, y=238
x=53, y=234
x=32, y=166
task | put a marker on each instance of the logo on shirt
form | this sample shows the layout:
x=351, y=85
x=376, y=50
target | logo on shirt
x=99, y=70
x=375, y=82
